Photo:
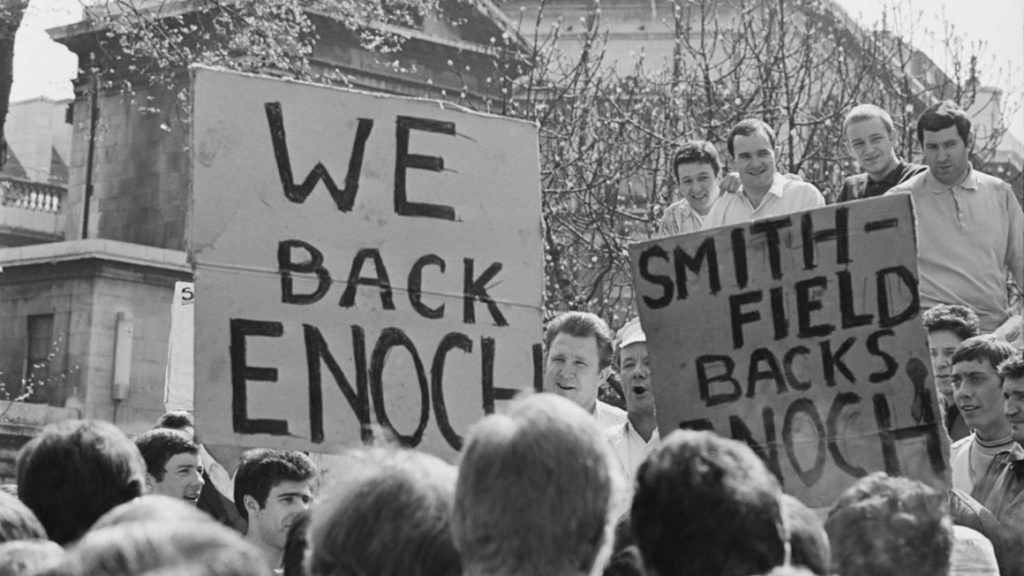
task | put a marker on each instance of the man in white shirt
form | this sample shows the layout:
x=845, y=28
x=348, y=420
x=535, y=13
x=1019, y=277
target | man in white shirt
x=978, y=392
x=764, y=193
x=635, y=438
x=697, y=170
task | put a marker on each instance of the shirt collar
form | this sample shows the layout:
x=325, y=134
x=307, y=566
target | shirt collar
x=778, y=185
x=894, y=175
x=969, y=182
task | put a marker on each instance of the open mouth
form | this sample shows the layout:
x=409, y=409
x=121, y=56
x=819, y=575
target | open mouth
x=639, y=390
x=563, y=386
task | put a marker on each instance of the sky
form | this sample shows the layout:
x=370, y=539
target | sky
x=42, y=67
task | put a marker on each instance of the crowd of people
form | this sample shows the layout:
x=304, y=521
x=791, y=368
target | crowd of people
x=563, y=484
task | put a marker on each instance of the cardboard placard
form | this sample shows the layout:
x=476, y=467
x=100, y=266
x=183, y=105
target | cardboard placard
x=800, y=335
x=368, y=265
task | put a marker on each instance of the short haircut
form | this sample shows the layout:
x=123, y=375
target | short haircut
x=807, y=537
x=584, y=325
x=259, y=470
x=74, y=471
x=696, y=152
x=394, y=500
x=160, y=445
x=941, y=116
x=152, y=508
x=24, y=557
x=705, y=504
x=863, y=112
x=535, y=491
x=1012, y=367
x=890, y=526
x=176, y=420
x=17, y=521
x=985, y=347
x=746, y=128
x=954, y=318
x=152, y=548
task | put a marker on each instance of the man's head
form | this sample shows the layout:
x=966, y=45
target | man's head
x=579, y=357
x=886, y=526
x=751, y=144
x=17, y=521
x=179, y=420
x=534, y=491
x=1011, y=371
x=402, y=499
x=74, y=471
x=697, y=169
x=707, y=505
x=869, y=134
x=172, y=463
x=978, y=388
x=948, y=325
x=634, y=369
x=944, y=132
x=271, y=488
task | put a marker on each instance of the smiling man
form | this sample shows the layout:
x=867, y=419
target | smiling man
x=970, y=228
x=579, y=358
x=634, y=439
x=978, y=392
x=172, y=464
x=763, y=193
x=271, y=488
x=697, y=169
x=869, y=133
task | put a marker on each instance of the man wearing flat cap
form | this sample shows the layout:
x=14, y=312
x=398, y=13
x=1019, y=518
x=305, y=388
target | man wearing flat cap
x=634, y=439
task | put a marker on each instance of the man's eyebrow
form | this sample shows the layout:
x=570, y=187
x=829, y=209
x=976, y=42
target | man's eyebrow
x=289, y=494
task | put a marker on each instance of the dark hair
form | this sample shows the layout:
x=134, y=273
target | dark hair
x=889, y=526
x=746, y=128
x=696, y=152
x=260, y=470
x=941, y=116
x=176, y=420
x=76, y=470
x=807, y=537
x=17, y=521
x=986, y=347
x=160, y=445
x=707, y=505
x=296, y=544
x=954, y=318
x=1012, y=367
x=584, y=325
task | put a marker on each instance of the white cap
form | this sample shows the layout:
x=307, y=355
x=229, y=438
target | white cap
x=630, y=333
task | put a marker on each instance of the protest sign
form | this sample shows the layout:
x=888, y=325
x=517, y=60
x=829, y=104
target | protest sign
x=179, y=383
x=368, y=265
x=800, y=335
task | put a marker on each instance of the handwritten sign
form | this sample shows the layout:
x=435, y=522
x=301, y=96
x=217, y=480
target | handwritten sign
x=801, y=336
x=179, y=383
x=369, y=265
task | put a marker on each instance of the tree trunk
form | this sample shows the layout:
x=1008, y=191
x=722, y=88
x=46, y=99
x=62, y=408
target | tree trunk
x=11, y=13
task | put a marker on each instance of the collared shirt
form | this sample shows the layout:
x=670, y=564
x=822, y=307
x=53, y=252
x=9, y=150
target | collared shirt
x=969, y=458
x=608, y=415
x=968, y=234
x=630, y=448
x=679, y=218
x=784, y=197
x=862, y=186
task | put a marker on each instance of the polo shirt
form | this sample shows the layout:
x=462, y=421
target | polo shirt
x=784, y=197
x=968, y=235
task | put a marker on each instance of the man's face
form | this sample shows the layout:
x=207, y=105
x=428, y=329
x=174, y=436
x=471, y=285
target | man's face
x=636, y=379
x=183, y=478
x=1013, y=408
x=978, y=392
x=941, y=345
x=284, y=502
x=946, y=154
x=871, y=145
x=698, y=184
x=754, y=158
x=573, y=369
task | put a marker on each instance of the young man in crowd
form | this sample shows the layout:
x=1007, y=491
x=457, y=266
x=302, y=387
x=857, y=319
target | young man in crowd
x=869, y=133
x=534, y=492
x=172, y=464
x=697, y=169
x=763, y=192
x=970, y=228
x=271, y=488
x=948, y=326
x=635, y=438
x=579, y=358
x=978, y=392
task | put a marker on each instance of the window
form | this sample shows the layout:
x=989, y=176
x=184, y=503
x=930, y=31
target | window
x=38, y=360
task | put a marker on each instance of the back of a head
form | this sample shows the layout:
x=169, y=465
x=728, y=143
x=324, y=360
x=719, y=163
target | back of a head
x=75, y=471
x=17, y=521
x=24, y=557
x=807, y=537
x=890, y=526
x=707, y=505
x=390, y=516
x=152, y=508
x=534, y=491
